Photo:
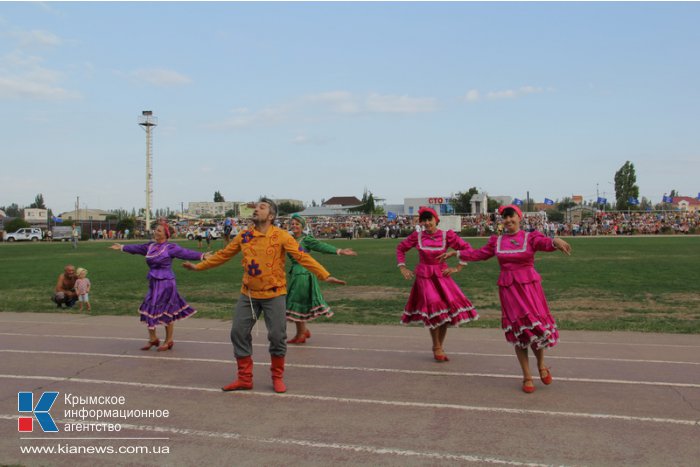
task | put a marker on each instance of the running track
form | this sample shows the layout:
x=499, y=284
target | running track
x=357, y=395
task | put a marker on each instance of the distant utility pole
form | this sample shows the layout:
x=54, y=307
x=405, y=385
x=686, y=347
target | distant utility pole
x=528, y=202
x=148, y=122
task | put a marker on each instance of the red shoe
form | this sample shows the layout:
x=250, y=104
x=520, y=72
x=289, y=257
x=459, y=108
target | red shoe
x=244, y=381
x=528, y=389
x=307, y=334
x=546, y=379
x=440, y=356
x=237, y=385
x=150, y=344
x=277, y=372
x=297, y=339
x=166, y=346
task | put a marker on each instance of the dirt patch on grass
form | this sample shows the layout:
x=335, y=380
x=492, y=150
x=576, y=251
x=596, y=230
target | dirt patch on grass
x=679, y=306
x=594, y=305
x=684, y=297
x=364, y=292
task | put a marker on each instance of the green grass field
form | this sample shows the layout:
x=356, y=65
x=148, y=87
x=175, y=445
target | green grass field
x=639, y=283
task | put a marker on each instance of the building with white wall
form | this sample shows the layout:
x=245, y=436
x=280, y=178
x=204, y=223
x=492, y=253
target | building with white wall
x=36, y=215
x=210, y=208
x=441, y=204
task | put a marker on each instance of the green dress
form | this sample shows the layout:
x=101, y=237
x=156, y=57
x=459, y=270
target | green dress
x=304, y=299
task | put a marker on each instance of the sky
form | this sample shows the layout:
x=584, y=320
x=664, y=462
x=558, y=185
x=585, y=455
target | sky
x=314, y=100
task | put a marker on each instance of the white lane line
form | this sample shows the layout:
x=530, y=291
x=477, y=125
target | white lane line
x=354, y=368
x=423, y=405
x=440, y=456
x=633, y=344
x=359, y=349
x=385, y=336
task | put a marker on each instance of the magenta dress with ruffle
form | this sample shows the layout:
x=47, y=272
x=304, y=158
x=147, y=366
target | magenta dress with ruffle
x=525, y=316
x=435, y=299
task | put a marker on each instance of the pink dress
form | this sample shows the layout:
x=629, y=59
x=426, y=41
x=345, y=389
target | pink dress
x=434, y=300
x=82, y=286
x=525, y=316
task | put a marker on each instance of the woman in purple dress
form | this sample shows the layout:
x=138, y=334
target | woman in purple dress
x=436, y=300
x=162, y=305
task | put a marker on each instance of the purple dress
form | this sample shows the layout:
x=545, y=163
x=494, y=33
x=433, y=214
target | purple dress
x=525, y=316
x=162, y=304
x=435, y=299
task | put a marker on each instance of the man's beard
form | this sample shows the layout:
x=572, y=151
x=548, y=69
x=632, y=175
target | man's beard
x=258, y=222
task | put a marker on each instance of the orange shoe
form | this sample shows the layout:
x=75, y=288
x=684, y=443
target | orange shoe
x=166, y=346
x=528, y=388
x=150, y=344
x=545, y=379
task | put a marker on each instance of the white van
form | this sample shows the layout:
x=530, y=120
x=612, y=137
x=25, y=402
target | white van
x=28, y=233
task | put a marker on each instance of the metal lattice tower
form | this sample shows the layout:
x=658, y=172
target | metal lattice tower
x=148, y=121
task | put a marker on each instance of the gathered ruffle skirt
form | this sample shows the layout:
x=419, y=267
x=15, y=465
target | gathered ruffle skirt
x=304, y=299
x=437, y=300
x=525, y=316
x=163, y=304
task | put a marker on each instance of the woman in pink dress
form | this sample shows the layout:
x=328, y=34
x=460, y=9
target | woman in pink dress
x=435, y=299
x=525, y=316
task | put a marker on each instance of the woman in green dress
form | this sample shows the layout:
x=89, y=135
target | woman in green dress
x=304, y=299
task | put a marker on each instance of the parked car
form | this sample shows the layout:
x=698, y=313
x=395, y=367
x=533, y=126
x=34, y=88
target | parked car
x=215, y=233
x=383, y=232
x=27, y=233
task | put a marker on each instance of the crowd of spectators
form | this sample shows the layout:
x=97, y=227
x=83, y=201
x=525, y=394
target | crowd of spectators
x=600, y=223
x=633, y=223
x=479, y=225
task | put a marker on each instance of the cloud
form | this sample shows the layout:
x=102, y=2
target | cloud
x=345, y=102
x=304, y=140
x=474, y=95
x=339, y=101
x=20, y=88
x=400, y=104
x=243, y=118
x=36, y=37
x=160, y=77
x=301, y=139
x=47, y=8
x=23, y=76
x=315, y=106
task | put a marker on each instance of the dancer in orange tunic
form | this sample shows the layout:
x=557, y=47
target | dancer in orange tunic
x=263, y=291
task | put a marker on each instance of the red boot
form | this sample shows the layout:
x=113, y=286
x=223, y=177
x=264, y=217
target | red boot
x=277, y=370
x=245, y=375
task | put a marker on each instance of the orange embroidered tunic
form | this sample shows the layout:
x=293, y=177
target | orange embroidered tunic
x=263, y=261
